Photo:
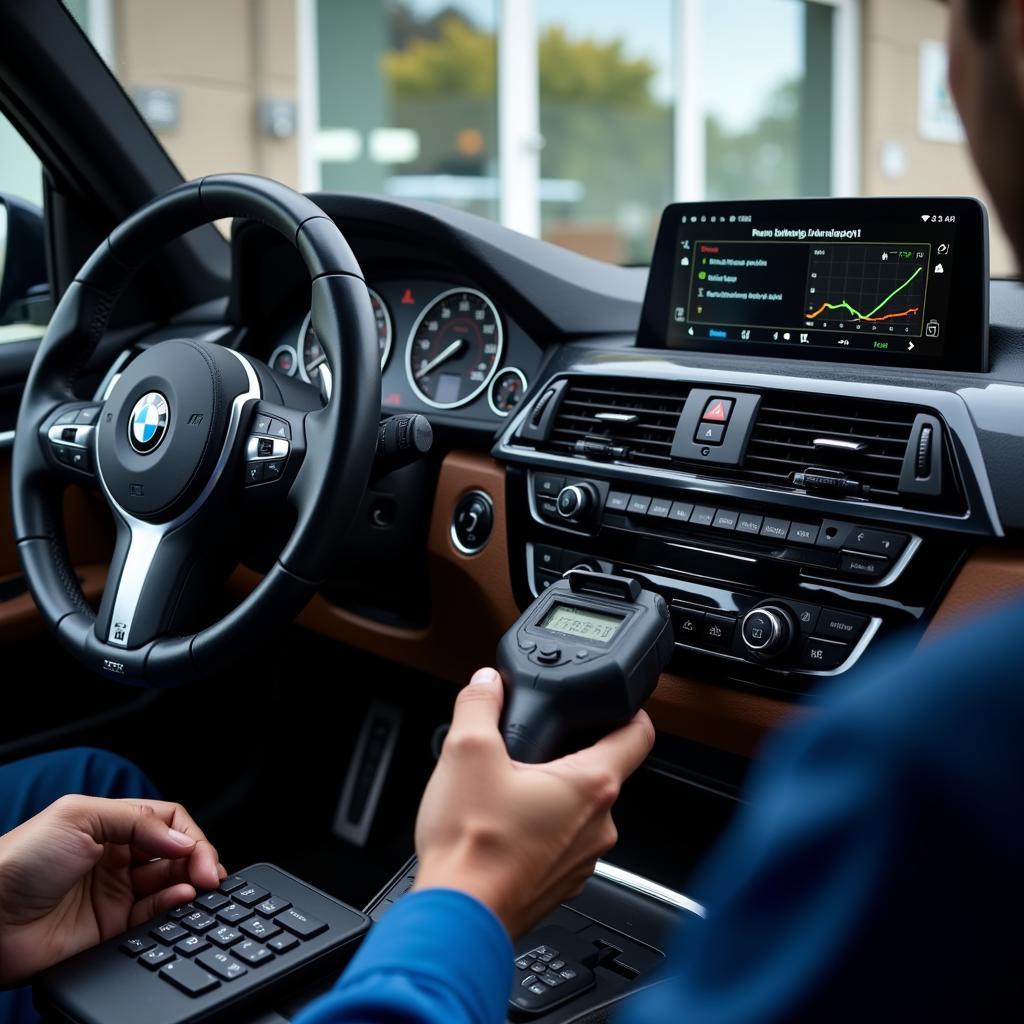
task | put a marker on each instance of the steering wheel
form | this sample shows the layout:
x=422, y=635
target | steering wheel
x=191, y=437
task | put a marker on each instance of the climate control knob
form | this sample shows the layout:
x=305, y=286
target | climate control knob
x=577, y=501
x=767, y=631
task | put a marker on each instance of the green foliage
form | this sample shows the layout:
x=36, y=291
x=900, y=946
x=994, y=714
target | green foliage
x=457, y=59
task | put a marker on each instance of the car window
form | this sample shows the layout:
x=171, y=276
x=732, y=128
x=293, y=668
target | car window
x=574, y=121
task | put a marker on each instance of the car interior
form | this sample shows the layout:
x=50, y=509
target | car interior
x=285, y=469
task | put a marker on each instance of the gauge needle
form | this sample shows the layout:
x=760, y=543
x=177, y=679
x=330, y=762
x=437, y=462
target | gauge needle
x=442, y=357
x=322, y=358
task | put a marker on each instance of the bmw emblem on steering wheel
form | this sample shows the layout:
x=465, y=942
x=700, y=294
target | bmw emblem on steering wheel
x=147, y=425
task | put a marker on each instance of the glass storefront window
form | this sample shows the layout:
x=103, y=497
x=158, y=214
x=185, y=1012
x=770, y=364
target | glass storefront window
x=606, y=117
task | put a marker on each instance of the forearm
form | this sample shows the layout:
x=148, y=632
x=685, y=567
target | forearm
x=437, y=957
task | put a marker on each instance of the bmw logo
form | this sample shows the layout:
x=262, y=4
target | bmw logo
x=148, y=423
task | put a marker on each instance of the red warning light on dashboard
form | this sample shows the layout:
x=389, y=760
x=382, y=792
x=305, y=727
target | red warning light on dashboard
x=407, y=299
x=393, y=399
x=717, y=410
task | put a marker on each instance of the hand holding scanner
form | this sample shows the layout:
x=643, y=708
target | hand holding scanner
x=579, y=663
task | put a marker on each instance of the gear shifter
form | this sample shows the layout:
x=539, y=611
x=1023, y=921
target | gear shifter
x=579, y=662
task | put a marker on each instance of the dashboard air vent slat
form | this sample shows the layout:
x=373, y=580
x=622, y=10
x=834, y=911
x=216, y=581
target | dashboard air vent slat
x=645, y=431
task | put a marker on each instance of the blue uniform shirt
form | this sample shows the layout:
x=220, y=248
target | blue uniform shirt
x=874, y=875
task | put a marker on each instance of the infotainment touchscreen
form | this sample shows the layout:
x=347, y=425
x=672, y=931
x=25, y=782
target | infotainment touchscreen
x=884, y=281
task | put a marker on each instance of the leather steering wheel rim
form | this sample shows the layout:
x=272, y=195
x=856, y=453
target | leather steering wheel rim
x=331, y=450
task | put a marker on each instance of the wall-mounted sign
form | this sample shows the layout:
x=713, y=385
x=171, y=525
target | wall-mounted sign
x=937, y=117
x=161, y=107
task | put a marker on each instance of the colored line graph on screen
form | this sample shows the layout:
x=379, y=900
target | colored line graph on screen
x=871, y=317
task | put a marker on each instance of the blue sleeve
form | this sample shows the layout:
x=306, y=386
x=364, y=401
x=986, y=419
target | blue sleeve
x=875, y=872
x=436, y=957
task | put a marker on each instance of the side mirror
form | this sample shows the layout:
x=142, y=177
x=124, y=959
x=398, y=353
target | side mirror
x=24, y=289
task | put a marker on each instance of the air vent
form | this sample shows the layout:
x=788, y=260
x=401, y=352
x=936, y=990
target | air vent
x=626, y=419
x=860, y=444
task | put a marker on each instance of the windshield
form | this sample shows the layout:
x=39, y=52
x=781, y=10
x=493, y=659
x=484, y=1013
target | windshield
x=574, y=120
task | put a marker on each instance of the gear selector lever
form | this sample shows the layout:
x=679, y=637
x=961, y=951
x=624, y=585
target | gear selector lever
x=579, y=662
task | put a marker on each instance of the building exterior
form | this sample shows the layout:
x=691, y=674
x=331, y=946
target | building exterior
x=574, y=119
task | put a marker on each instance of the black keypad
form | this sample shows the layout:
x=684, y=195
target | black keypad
x=192, y=945
x=211, y=901
x=192, y=980
x=224, y=965
x=233, y=913
x=300, y=923
x=168, y=931
x=259, y=928
x=224, y=936
x=250, y=895
x=252, y=952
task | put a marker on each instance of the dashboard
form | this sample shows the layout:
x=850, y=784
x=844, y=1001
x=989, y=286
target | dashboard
x=797, y=500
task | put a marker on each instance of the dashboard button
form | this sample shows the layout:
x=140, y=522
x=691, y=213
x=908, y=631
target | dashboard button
x=709, y=433
x=680, y=512
x=803, y=533
x=725, y=520
x=718, y=630
x=746, y=523
x=688, y=624
x=545, y=485
x=545, y=579
x=717, y=410
x=638, y=505
x=822, y=654
x=659, y=508
x=876, y=542
x=805, y=614
x=548, y=508
x=618, y=501
x=839, y=625
x=545, y=557
x=777, y=529
x=865, y=566
x=833, y=534
x=702, y=515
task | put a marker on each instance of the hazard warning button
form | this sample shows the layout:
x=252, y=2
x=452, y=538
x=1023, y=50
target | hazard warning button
x=717, y=410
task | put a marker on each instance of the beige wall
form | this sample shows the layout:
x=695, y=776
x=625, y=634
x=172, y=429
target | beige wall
x=244, y=51
x=893, y=31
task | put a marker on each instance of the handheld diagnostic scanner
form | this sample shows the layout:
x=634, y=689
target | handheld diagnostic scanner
x=579, y=663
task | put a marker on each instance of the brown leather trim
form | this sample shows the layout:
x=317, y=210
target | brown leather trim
x=989, y=576
x=474, y=605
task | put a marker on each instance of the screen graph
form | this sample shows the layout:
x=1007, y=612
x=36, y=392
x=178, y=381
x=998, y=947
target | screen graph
x=869, y=289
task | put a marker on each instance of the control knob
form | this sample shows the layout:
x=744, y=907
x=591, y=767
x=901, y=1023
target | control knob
x=577, y=501
x=768, y=630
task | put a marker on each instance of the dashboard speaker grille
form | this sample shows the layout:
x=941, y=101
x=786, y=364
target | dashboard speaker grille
x=633, y=419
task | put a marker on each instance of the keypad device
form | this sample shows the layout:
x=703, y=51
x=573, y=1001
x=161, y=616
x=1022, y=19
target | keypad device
x=257, y=928
x=545, y=977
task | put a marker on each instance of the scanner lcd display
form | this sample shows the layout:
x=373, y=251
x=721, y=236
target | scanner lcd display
x=582, y=622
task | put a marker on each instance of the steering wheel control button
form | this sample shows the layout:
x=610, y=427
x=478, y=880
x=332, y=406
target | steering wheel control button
x=272, y=470
x=253, y=473
x=261, y=425
x=823, y=655
x=68, y=416
x=472, y=522
x=717, y=410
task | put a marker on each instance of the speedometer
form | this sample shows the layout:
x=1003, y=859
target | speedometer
x=313, y=365
x=454, y=348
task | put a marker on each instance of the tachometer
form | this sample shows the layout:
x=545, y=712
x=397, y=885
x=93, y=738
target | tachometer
x=313, y=361
x=454, y=348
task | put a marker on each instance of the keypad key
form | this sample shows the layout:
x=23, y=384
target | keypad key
x=521, y=964
x=192, y=945
x=250, y=895
x=258, y=928
x=529, y=980
x=548, y=955
x=212, y=901
x=283, y=942
x=231, y=883
x=137, y=944
x=300, y=923
x=537, y=967
x=192, y=980
x=224, y=936
x=169, y=932
x=556, y=965
x=568, y=973
x=224, y=965
x=155, y=957
x=272, y=906
x=233, y=913
x=252, y=952
x=552, y=980
x=179, y=912
x=200, y=921
x=538, y=989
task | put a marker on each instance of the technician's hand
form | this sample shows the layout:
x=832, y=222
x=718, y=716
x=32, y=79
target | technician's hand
x=85, y=869
x=519, y=837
